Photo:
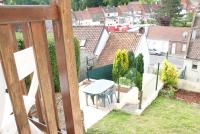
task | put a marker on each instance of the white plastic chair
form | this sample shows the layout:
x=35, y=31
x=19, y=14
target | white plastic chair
x=25, y=63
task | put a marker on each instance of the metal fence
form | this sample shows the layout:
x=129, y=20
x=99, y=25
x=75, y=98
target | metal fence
x=104, y=72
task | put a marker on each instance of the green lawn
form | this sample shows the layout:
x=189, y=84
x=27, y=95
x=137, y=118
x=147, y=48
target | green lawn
x=164, y=116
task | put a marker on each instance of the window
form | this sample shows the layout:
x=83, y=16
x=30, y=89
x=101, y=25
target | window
x=82, y=43
x=194, y=66
x=184, y=47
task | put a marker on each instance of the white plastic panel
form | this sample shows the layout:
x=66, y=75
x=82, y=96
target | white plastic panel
x=25, y=62
x=2, y=93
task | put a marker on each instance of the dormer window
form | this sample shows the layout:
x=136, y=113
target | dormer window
x=82, y=43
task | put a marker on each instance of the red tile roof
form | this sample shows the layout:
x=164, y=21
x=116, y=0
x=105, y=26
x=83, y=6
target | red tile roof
x=168, y=33
x=119, y=40
x=194, y=44
x=95, y=10
x=91, y=34
x=136, y=6
x=82, y=15
x=122, y=9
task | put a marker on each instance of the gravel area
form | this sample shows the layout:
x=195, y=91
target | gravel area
x=190, y=97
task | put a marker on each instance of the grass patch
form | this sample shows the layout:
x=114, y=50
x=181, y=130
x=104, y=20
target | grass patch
x=164, y=116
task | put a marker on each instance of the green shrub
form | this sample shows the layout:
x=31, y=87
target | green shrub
x=169, y=74
x=139, y=63
x=120, y=65
x=52, y=55
x=131, y=59
x=77, y=54
x=168, y=92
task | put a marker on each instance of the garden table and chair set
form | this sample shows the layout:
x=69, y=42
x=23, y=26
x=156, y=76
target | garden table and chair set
x=102, y=89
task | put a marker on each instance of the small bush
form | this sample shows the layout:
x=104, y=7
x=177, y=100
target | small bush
x=169, y=74
x=52, y=55
x=120, y=65
x=168, y=92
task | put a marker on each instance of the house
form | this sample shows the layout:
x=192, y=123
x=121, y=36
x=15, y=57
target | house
x=192, y=60
x=1, y=2
x=92, y=41
x=82, y=18
x=110, y=12
x=129, y=41
x=123, y=10
x=137, y=11
x=125, y=15
x=97, y=15
x=168, y=39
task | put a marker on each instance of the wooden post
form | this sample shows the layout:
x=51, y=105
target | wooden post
x=45, y=82
x=7, y=48
x=26, y=31
x=67, y=68
x=22, y=82
x=157, y=76
x=28, y=41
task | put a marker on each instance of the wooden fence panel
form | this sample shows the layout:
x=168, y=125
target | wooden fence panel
x=7, y=48
x=42, y=61
x=67, y=68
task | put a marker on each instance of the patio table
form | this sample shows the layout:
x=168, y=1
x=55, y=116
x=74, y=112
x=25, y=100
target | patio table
x=97, y=88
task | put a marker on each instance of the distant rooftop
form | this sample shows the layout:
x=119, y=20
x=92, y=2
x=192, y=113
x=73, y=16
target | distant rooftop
x=119, y=40
x=90, y=35
x=109, y=9
x=168, y=33
x=194, y=44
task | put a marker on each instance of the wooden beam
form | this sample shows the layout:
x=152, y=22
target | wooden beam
x=67, y=68
x=7, y=48
x=26, y=31
x=41, y=55
x=15, y=14
x=23, y=90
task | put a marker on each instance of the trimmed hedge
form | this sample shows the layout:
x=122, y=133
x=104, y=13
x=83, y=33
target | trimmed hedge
x=52, y=54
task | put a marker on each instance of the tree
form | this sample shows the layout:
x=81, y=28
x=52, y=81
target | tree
x=137, y=79
x=169, y=9
x=147, y=1
x=27, y=2
x=120, y=66
x=77, y=55
x=169, y=74
x=131, y=59
x=139, y=63
x=115, y=2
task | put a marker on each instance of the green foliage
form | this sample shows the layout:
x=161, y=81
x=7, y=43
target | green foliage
x=131, y=59
x=168, y=92
x=169, y=74
x=125, y=81
x=139, y=63
x=120, y=64
x=77, y=54
x=52, y=55
x=147, y=1
x=115, y=2
x=27, y=2
x=169, y=9
x=185, y=21
x=137, y=79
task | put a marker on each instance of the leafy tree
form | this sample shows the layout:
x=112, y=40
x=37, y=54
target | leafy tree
x=77, y=54
x=169, y=9
x=120, y=66
x=169, y=74
x=27, y=2
x=147, y=1
x=139, y=63
x=137, y=79
x=115, y=2
x=131, y=59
